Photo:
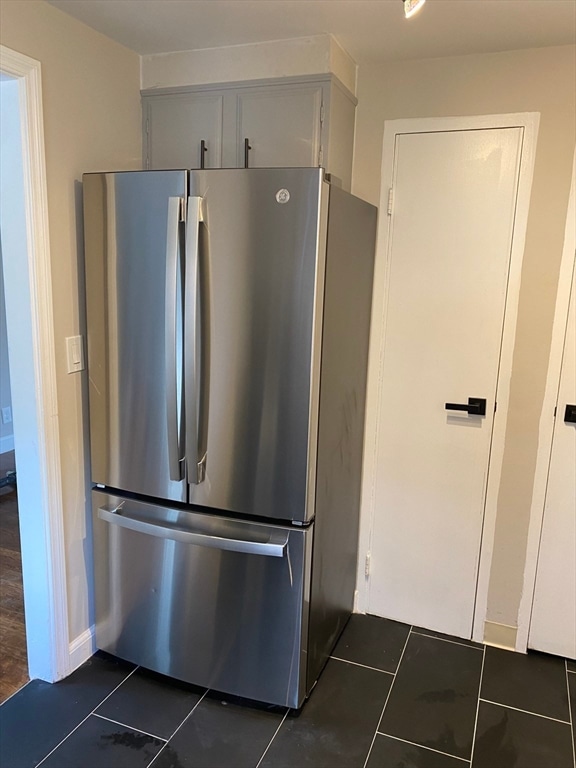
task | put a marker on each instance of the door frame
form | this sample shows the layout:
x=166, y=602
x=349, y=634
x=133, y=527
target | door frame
x=529, y=122
x=45, y=586
x=547, y=420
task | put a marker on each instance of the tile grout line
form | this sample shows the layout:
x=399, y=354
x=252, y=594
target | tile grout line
x=364, y=666
x=445, y=640
x=477, y=706
x=132, y=727
x=272, y=739
x=570, y=712
x=525, y=711
x=14, y=693
x=422, y=746
x=177, y=729
x=136, y=668
x=388, y=696
x=86, y=718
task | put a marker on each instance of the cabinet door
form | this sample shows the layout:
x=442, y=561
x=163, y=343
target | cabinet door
x=177, y=124
x=282, y=125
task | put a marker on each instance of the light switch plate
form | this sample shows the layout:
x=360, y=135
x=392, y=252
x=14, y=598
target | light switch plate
x=75, y=353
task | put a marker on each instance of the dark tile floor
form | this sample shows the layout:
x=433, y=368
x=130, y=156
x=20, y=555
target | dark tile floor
x=391, y=696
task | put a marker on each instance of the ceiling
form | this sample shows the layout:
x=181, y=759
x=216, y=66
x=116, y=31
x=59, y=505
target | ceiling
x=368, y=29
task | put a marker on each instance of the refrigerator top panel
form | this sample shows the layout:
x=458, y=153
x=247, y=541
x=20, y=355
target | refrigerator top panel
x=252, y=365
x=132, y=235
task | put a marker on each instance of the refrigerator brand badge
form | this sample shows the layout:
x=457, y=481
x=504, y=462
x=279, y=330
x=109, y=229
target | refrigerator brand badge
x=282, y=196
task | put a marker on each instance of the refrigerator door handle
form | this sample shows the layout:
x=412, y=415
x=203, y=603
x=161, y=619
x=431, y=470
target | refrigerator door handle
x=275, y=546
x=195, y=464
x=171, y=335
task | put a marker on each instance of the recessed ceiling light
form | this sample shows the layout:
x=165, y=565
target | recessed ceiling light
x=412, y=6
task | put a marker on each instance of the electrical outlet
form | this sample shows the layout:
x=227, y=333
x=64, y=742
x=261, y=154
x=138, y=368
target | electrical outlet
x=6, y=415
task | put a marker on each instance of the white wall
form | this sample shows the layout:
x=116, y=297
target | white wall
x=6, y=430
x=313, y=55
x=92, y=122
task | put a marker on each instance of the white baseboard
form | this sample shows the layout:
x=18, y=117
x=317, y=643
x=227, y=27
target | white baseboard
x=6, y=443
x=500, y=635
x=82, y=648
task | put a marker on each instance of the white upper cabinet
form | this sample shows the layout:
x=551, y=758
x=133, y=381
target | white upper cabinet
x=175, y=126
x=282, y=126
x=290, y=122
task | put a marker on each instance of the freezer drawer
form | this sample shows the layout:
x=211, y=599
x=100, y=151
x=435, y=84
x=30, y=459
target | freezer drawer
x=216, y=602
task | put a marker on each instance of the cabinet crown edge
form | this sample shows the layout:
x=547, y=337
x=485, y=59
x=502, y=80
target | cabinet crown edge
x=320, y=79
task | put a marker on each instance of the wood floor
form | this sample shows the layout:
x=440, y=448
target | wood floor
x=13, y=662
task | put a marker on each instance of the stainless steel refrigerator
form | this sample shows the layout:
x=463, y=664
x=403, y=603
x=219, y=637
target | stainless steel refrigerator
x=228, y=321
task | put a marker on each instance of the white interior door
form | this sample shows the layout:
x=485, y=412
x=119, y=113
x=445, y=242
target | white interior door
x=449, y=246
x=553, y=624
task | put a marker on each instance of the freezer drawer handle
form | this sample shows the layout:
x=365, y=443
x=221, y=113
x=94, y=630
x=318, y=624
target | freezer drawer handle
x=274, y=547
x=476, y=406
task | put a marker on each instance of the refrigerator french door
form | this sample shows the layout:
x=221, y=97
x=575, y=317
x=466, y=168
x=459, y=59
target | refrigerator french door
x=207, y=304
x=206, y=381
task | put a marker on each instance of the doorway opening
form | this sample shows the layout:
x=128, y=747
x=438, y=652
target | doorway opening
x=14, y=661
x=31, y=355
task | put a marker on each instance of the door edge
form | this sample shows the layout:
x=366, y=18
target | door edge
x=546, y=427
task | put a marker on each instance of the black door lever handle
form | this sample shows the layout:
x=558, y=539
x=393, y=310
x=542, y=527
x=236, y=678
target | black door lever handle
x=570, y=414
x=476, y=406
